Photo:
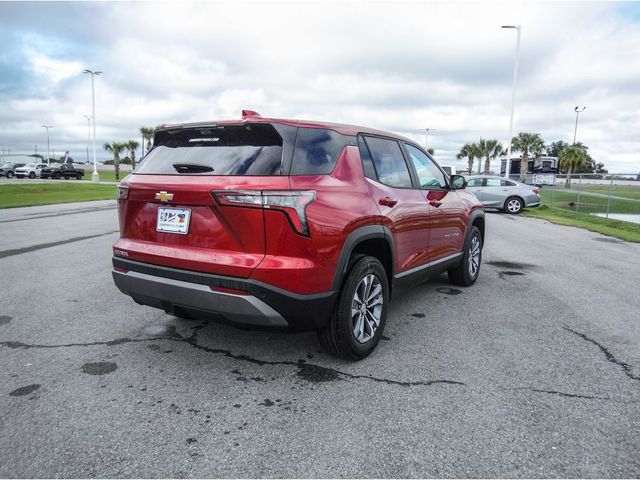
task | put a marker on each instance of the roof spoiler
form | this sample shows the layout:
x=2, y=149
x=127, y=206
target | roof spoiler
x=250, y=114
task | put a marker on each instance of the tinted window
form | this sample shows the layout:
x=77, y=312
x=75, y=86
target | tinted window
x=429, y=175
x=507, y=183
x=317, y=151
x=367, y=163
x=250, y=149
x=389, y=162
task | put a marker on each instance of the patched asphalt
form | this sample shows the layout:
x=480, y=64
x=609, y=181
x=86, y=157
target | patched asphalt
x=532, y=372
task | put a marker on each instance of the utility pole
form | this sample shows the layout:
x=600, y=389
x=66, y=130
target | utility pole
x=578, y=111
x=47, y=127
x=518, y=28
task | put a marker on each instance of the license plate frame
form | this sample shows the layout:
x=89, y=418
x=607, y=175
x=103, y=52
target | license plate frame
x=173, y=220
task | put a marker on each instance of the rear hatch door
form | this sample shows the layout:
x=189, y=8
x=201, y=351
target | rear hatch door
x=170, y=216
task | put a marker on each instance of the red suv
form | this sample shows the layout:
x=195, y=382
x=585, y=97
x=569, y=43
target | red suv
x=290, y=223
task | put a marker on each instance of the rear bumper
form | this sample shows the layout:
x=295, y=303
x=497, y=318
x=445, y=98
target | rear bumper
x=174, y=290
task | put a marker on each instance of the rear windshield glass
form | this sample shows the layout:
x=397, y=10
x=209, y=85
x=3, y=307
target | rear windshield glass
x=251, y=149
x=317, y=151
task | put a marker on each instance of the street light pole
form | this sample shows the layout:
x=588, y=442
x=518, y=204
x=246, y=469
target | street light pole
x=513, y=97
x=94, y=177
x=575, y=130
x=89, y=137
x=47, y=127
x=427, y=130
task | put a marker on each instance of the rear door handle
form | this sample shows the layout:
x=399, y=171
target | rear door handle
x=387, y=201
x=435, y=203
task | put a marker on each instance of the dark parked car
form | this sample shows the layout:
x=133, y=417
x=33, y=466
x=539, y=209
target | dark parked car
x=66, y=171
x=8, y=169
x=287, y=223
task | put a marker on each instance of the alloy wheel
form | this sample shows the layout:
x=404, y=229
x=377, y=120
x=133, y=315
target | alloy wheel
x=366, y=308
x=474, y=256
x=514, y=205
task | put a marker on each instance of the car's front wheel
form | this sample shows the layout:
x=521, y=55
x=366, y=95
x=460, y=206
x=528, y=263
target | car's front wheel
x=359, y=316
x=513, y=205
x=9, y=174
x=466, y=273
x=32, y=175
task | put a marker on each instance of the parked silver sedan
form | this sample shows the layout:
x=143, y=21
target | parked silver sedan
x=506, y=195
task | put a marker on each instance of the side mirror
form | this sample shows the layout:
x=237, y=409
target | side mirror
x=458, y=182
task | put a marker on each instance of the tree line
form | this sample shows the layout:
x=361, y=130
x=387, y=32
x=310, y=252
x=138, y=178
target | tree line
x=116, y=148
x=573, y=158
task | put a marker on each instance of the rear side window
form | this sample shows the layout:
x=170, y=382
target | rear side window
x=389, y=162
x=317, y=151
x=249, y=149
x=367, y=163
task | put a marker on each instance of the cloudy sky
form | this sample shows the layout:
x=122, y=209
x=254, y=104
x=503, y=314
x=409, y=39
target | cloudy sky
x=391, y=65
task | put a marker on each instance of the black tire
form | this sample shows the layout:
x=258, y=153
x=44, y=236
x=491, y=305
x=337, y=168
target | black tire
x=464, y=275
x=66, y=177
x=9, y=174
x=513, y=205
x=32, y=175
x=79, y=176
x=338, y=337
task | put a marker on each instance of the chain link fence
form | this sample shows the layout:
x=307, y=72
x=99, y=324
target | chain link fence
x=610, y=195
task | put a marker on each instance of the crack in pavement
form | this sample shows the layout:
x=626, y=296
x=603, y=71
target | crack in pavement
x=561, y=394
x=191, y=340
x=58, y=214
x=626, y=368
x=32, y=248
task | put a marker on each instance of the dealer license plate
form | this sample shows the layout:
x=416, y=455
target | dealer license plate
x=173, y=220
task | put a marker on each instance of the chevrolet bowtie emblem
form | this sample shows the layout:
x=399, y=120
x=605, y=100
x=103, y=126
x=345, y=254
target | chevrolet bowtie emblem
x=164, y=196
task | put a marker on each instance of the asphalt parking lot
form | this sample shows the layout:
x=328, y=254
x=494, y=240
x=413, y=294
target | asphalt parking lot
x=532, y=372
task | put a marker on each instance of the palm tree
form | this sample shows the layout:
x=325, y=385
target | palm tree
x=132, y=146
x=571, y=159
x=527, y=144
x=469, y=151
x=489, y=149
x=116, y=148
x=147, y=134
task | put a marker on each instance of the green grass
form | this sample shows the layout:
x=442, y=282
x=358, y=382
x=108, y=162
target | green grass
x=617, y=190
x=104, y=176
x=614, y=228
x=588, y=203
x=26, y=195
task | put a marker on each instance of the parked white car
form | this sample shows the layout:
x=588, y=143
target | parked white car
x=31, y=170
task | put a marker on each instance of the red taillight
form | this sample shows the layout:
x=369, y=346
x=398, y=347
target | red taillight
x=535, y=190
x=121, y=270
x=293, y=203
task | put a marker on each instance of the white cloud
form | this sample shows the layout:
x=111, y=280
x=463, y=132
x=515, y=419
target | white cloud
x=391, y=65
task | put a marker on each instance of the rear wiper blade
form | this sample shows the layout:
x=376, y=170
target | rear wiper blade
x=191, y=168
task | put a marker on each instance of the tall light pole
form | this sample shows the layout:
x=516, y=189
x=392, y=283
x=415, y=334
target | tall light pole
x=578, y=111
x=94, y=177
x=427, y=130
x=89, y=137
x=48, y=127
x=518, y=28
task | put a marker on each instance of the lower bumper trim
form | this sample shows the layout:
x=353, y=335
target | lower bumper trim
x=168, y=293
